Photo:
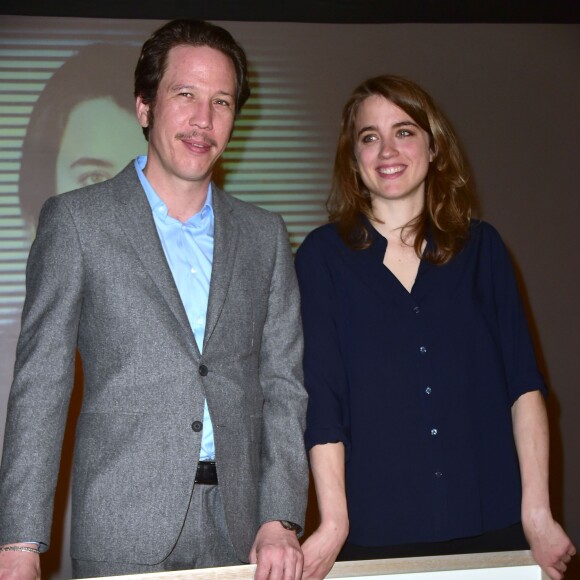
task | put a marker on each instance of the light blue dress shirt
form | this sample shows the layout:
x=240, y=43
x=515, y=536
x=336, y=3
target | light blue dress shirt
x=188, y=249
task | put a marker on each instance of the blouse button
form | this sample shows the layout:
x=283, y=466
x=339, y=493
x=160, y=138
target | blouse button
x=433, y=431
x=422, y=349
x=416, y=309
x=438, y=475
x=428, y=390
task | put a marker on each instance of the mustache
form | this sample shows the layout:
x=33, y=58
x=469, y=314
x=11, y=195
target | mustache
x=196, y=135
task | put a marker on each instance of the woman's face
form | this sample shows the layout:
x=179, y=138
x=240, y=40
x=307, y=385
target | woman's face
x=392, y=152
x=99, y=139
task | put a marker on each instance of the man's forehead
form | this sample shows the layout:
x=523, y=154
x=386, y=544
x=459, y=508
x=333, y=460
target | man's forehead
x=185, y=61
x=195, y=52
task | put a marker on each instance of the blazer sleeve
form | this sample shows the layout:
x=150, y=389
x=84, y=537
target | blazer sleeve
x=43, y=378
x=325, y=379
x=284, y=469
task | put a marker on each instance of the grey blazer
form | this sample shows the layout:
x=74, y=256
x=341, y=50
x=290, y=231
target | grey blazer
x=97, y=278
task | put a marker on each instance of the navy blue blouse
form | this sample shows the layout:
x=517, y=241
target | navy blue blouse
x=418, y=386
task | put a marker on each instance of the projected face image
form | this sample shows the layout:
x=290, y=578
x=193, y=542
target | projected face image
x=100, y=138
x=82, y=128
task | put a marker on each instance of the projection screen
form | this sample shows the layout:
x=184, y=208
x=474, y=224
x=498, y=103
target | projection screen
x=510, y=90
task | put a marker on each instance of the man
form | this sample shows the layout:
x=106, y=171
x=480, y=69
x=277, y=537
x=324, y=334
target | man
x=184, y=307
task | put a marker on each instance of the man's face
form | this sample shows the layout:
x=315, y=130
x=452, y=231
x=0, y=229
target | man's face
x=99, y=139
x=193, y=118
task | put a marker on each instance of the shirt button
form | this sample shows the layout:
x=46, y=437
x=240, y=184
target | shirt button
x=203, y=370
x=193, y=271
x=197, y=426
x=422, y=349
x=438, y=475
x=428, y=390
x=433, y=431
x=416, y=309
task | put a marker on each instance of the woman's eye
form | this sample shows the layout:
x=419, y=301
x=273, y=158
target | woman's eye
x=93, y=177
x=369, y=138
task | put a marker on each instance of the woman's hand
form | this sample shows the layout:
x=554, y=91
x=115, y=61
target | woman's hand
x=321, y=549
x=551, y=548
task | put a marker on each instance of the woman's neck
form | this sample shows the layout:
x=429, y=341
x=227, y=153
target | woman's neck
x=391, y=218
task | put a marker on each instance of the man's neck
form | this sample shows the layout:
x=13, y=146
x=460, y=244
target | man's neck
x=182, y=206
x=183, y=198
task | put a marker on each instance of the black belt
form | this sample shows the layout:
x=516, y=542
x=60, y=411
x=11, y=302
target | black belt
x=206, y=473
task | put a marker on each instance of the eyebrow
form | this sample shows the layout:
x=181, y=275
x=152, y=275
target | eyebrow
x=395, y=126
x=177, y=88
x=93, y=161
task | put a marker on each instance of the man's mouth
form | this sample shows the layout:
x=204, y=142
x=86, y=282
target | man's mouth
x=197, y=140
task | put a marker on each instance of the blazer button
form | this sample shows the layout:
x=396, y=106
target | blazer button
x=197, y=426
x=203, y=370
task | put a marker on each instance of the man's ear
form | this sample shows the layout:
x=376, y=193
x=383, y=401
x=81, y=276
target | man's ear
x=142, y=111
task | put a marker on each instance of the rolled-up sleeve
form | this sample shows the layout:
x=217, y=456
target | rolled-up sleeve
x=519, y=358
x=324, y=374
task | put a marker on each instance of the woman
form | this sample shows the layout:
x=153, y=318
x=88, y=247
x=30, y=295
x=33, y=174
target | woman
x=82, y=129
x=426, y=404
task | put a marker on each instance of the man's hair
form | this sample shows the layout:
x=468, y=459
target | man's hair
x=96, y=71
x=153, y=60
x=449, y=199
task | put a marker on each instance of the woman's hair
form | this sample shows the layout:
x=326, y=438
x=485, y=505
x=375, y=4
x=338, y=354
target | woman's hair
x=449, y=199
x=96, y=71
x=153, y=60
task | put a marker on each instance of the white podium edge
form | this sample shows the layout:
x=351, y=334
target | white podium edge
x=362, y=567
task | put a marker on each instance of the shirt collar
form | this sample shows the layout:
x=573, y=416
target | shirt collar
x=159, y=208
x=379, y=242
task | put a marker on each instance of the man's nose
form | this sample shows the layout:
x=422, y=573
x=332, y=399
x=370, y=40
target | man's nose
x=201, y=115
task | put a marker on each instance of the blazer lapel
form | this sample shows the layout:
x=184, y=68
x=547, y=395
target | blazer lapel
x=226, y=234
x=137, y=222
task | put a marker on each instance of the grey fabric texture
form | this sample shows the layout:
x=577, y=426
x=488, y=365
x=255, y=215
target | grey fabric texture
x=97, y=279
x=203, y=542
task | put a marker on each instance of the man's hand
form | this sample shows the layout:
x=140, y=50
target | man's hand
x=276, y=551
x=551, y=548
x=19, y=565
x=320, y=551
